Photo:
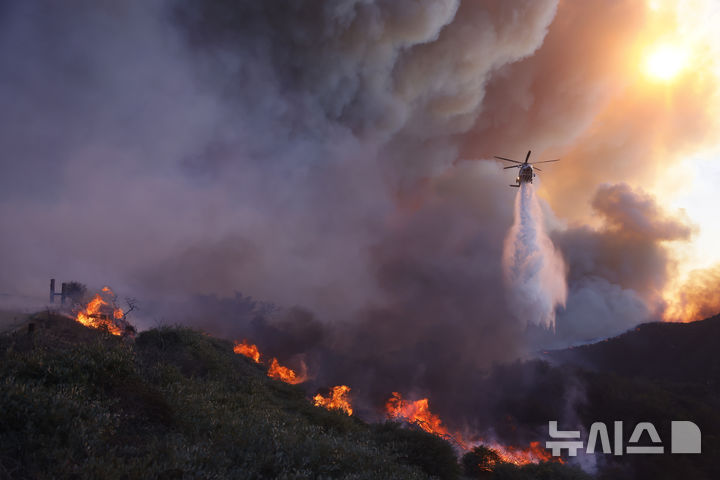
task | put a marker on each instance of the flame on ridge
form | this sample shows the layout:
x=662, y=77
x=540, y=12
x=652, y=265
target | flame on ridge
x=287, y=375
x=337, y=399
x=248, y=349
x=418, y=412
x=275, y=369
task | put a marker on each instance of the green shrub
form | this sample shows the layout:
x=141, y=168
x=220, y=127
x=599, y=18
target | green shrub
x=414, y=446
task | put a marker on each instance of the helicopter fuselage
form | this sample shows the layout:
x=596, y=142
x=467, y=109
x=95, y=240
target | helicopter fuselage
x=525, y=175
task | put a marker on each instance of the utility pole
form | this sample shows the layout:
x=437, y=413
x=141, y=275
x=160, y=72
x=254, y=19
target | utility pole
x=63, y=292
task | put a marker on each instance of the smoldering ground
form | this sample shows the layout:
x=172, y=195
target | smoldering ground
x=318, y=156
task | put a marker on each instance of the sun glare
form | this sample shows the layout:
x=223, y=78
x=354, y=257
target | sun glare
x=664, y=62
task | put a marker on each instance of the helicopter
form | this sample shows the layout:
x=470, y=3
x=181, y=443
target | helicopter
x=527, y=170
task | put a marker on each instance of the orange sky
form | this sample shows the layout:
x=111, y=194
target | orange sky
x=629, y=96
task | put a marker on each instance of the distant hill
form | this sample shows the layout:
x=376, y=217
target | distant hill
x=657, y=372
x=672, y=352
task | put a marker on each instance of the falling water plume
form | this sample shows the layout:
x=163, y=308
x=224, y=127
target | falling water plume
x=534, y=270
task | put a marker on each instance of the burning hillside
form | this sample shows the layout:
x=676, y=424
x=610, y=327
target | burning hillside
x=397, y=408
x=418, y=413
x=200, y=373
x=177, y=388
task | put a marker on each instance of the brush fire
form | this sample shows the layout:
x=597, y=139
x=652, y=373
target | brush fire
x=101, y=312
x=418, y=413
x=338, y=399
x=275, y=369
x=249, y=350
x=287, y=375
x=535, y=453
x=415, y=412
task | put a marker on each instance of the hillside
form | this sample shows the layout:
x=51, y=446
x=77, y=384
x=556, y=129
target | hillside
x=670, y=352
x=175, y=403
x=658, y=372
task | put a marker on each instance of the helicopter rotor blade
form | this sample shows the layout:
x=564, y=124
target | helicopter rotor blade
x=511, y=166
x=538, y=169
x=527, y=156
x=547, y=161
x=508, y=159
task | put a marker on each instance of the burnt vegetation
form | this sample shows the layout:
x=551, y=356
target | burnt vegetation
x=177, y=403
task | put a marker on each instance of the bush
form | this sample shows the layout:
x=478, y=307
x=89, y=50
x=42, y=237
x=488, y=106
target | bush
x=414, y=446
x=480, y=462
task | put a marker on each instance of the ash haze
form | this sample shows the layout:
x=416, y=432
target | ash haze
x=332, y=158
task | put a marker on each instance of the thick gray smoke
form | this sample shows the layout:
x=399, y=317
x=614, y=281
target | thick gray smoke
x=534, y=270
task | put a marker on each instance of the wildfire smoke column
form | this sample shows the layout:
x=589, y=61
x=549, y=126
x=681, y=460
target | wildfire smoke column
x=534, y=270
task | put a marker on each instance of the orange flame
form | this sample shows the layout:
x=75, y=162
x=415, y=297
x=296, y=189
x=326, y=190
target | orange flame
x=417, y=412
x=247, y=349
x=101, y=313
x=535, y=453
x=285, y=374
x=337, y=400
x=275, y=370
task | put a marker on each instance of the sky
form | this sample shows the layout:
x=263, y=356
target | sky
x=335, y=159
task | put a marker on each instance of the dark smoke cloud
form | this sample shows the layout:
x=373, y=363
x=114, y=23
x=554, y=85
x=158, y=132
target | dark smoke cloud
x=441, y=315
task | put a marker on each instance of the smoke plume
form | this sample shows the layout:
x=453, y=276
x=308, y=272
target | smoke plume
x=618, y=269
x=534, y=270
